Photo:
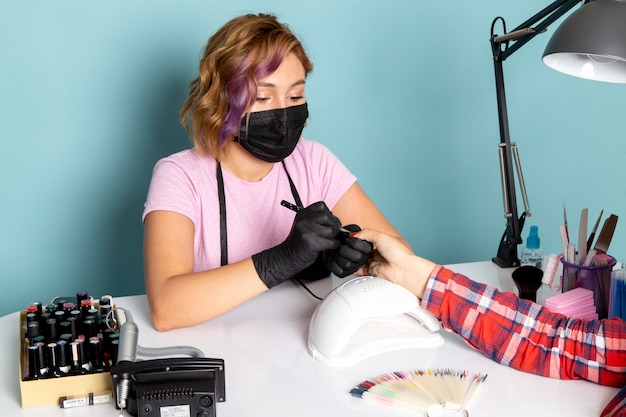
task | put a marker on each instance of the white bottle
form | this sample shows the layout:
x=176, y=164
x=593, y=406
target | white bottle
x=532, y=254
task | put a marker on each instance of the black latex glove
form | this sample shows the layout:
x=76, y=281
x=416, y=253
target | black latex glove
x=350, y=255
x=313, y=231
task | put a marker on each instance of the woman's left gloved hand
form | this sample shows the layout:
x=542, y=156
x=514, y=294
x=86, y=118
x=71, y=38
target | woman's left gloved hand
x=350, y=255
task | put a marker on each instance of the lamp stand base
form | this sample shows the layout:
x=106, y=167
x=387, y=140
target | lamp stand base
x=504, y=263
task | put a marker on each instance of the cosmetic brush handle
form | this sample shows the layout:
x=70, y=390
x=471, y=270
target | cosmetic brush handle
x=582, y=235
x=593, y=231
x=564, y=241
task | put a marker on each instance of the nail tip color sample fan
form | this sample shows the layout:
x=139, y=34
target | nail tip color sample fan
x=433, y=393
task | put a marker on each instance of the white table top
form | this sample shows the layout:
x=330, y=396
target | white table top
x=270, y=373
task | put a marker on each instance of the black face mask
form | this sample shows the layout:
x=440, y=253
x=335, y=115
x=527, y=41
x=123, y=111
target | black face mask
x=272, y=135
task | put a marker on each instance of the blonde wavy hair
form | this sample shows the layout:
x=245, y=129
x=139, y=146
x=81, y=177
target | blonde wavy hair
x=244, y=50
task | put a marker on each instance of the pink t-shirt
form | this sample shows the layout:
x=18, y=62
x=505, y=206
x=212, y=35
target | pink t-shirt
x=186, y=183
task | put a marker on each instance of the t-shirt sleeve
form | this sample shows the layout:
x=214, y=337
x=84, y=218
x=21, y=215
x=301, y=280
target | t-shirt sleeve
x=171, y=189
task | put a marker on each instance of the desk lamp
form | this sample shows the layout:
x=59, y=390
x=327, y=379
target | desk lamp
x=590, y=43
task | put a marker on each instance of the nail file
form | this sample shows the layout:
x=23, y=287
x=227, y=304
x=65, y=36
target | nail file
x=606, y=234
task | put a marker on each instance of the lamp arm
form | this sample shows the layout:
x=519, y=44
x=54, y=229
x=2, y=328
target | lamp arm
x=502, y=48
x=542, y=19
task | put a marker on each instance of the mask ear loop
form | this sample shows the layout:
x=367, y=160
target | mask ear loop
x=249, y=109
x=247, y=119
x=247, y=122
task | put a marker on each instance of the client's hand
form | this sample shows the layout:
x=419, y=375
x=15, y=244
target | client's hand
x=313, y=231
x=395, y=262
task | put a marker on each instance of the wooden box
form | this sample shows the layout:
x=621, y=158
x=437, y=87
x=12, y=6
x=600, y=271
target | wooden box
x=49, y=391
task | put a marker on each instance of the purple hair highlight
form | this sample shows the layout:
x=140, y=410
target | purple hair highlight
x=238, y=92
x=241, y=89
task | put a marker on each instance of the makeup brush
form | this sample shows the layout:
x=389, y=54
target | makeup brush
x=527, y=278
x=593, y=231
x=565, y=221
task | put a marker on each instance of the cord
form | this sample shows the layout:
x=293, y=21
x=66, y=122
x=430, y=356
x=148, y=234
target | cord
x=162, y=351
x=303, y=285
x=169, y=351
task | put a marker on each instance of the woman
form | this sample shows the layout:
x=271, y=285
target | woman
x=497, y=323
x=215, y=232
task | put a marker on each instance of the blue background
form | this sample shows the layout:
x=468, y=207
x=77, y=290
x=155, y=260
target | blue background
x=402, y=91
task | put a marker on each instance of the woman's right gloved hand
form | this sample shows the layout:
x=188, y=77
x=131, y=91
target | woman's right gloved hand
x=313, y=231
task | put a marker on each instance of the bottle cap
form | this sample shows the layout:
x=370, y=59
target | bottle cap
x=533, y=238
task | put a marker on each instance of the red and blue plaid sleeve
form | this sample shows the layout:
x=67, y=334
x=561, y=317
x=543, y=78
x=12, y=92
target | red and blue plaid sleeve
x=527, y=336
x=617, y=406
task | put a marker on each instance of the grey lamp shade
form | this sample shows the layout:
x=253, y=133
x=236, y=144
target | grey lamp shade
x=591, y=42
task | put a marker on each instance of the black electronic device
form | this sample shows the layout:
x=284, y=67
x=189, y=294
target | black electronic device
x=170, y=386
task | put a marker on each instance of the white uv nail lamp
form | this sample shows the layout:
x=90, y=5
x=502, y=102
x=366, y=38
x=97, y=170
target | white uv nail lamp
x=367, y=316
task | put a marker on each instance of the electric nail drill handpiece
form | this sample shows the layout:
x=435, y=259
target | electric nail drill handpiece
x=127, y=352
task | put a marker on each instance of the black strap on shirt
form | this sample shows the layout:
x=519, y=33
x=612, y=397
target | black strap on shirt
x=222, y=202
x=222, y=198
x=294, y=192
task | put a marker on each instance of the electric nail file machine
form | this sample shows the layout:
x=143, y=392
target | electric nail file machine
x=366, y=316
